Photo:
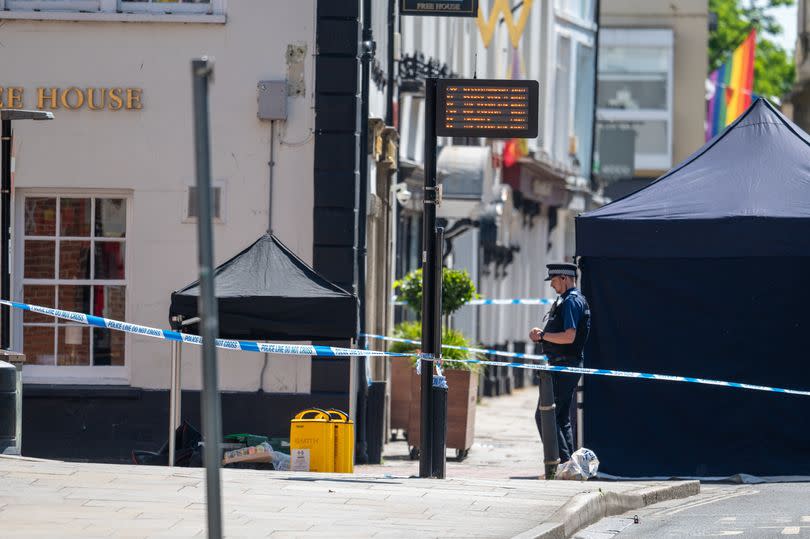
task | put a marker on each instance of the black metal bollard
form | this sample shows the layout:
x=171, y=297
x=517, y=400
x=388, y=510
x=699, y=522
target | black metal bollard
x=8, y=408
x=439, y=395
x=519, y=375
x=375, y=420
x=548, y=421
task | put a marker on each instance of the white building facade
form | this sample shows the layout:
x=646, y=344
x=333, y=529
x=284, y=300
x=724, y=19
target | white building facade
x=513, y=208
x=104, y=208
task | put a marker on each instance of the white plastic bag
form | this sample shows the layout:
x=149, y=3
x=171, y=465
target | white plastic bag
x=281, y=461
x=582, y=466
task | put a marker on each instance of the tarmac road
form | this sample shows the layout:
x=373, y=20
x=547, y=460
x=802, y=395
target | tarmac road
x=765, y=510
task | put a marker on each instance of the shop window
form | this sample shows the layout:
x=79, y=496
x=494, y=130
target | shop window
x=74, y=259
x=634, y=93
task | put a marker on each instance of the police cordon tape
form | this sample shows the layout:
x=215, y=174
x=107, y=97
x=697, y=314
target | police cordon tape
x=226, y=344
x=518, y=301
x=333, y=351
x=503, y=353
x=583, y=370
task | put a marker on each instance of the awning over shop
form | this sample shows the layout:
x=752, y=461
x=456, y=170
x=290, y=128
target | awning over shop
x=267, y=293
x=465, y=172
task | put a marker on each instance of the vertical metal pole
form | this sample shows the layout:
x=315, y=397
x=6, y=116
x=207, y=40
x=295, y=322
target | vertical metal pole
x=428, y=279
x=438, y=394
x=548, y=420
x=175, y=390
x=594, y=123
x=580, y=414
x=5, y=234
x=178, y=397
x=366, y=56
x=173, y=402
x=201, y=72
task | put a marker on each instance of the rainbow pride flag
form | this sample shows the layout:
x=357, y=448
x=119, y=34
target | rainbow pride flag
x=731, y=87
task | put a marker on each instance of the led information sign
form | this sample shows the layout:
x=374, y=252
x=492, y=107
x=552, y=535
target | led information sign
x=450, y=8
x=486, y=108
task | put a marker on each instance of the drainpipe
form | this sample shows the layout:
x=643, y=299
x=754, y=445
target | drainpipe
x=367, y=47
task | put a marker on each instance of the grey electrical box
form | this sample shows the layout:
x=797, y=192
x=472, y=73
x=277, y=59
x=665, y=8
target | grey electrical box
x=272, y=100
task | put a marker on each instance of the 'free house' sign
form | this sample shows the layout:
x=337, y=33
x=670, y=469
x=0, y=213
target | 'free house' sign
x=451, y=8
x=486, y=108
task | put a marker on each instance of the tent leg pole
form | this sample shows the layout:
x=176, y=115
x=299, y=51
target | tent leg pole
x=174, y=411
x=178, y=396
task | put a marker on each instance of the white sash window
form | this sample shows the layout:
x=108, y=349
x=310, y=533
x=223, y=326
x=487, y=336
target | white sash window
x=71, y=255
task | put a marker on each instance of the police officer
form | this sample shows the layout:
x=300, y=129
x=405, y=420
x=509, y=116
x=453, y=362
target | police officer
x=563, y=341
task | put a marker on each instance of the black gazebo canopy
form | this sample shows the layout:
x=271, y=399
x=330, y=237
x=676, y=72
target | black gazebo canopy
x=266, y=292
x=704, y=273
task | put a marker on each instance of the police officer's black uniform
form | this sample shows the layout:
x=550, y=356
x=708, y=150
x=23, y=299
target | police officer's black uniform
x=570, y=303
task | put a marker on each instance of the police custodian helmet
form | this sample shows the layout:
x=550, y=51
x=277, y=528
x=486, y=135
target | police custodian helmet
x=564, y=269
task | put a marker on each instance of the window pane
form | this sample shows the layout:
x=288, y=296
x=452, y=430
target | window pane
x=216, y=202
x=40, y=216
x=109, y=260
x=39, y=259
x=75, y=216
x=170, y=1
x=108, y=347
x=109, y=302
x=73, y=347
x=44, y=296
x=633, y=93
x=74, y=260
x=651, y=136
x=74, y=298
x=38, y=345
x=634, y=60
x=111, y=217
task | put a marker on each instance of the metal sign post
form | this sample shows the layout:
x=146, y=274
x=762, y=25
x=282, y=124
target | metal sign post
x=6, y=192
x=485, y=108
x=438, y=392
x=429, y=282
x=202, y=71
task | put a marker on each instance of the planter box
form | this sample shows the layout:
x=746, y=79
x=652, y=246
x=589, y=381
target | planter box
x=462, y=395
x=401, y=373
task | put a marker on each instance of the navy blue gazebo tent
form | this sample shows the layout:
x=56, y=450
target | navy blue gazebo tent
x=704, y=273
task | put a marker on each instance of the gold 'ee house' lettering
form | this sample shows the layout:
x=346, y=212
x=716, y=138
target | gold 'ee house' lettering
x=75, y=98
x=11, y=97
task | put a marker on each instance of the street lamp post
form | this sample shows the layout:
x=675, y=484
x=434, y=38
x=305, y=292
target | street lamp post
x=7, y=116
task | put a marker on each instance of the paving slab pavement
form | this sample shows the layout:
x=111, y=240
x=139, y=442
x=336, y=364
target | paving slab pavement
x=493, y=493
x=506, y=444
x=42, y=498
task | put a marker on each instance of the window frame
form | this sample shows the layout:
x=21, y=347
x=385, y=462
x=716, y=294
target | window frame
x=69, y=374
x=51, y=5
x=643, y=38
x=112, y=10
x=223, y=202
x=164, y=8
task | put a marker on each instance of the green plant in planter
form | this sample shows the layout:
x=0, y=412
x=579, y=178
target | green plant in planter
x=457, y=289
x=453, y=337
